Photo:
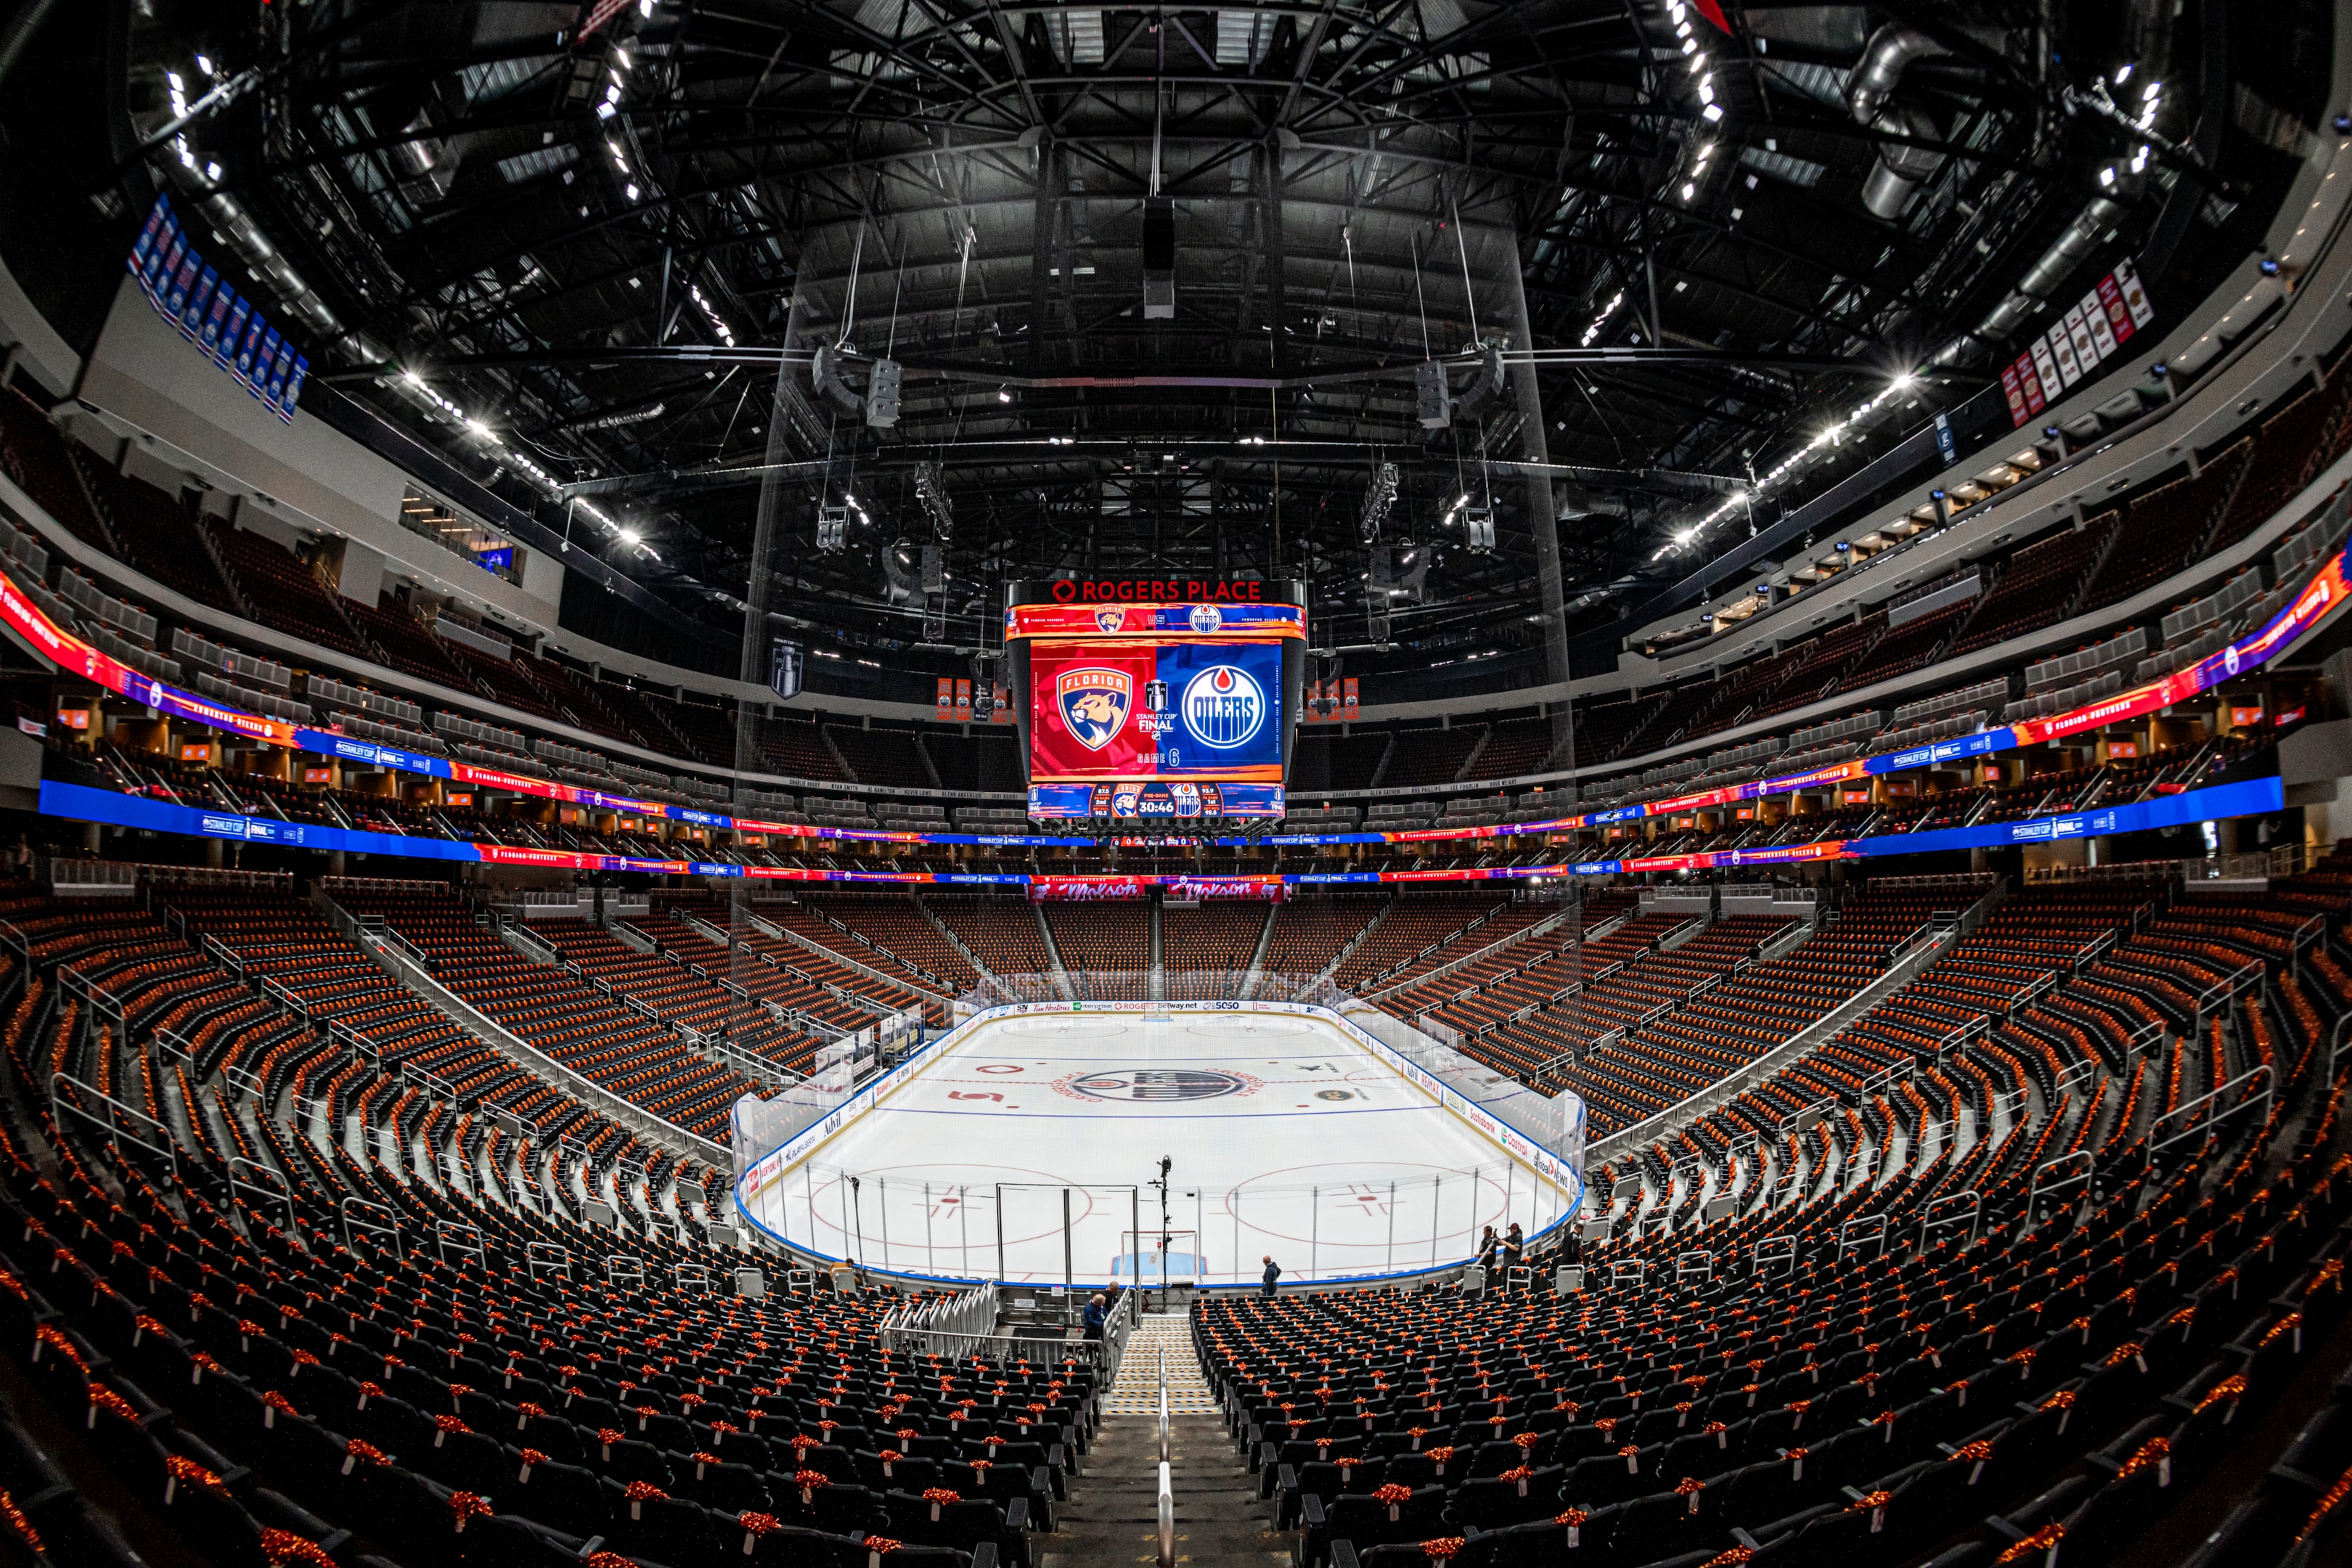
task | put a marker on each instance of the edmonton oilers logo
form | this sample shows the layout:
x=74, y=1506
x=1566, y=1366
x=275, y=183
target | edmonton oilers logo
x=1206, y=618
x=1157, y=1085
x=1223, y=707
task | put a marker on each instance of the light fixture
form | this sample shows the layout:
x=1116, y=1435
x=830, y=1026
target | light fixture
x=1003, y=395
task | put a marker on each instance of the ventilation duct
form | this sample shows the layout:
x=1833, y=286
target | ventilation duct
x=271, y=267
x=1869, y=93
x=2149, y=25
x=427, y=167
x=1835, y=30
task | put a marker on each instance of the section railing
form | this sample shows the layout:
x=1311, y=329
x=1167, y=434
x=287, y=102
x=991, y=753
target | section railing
x=401, y=959
x=1923, y=948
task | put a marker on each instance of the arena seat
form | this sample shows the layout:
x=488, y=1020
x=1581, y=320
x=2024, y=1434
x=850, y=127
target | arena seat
x=1105, y=948
x=282, y=592
x=898, y=925
x=473, y=1413
x=588, y=1032
x=1204, y=950
x=1806, y=1397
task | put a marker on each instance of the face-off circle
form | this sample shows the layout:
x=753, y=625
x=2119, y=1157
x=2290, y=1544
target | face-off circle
x=1155, y=1086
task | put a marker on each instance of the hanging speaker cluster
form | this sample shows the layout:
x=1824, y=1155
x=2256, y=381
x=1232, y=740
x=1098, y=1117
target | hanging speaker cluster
x=824, y=372
x=882, y=394
x=1486, y=384
x=1432, y=400
x=879, y=403
x=1435, y=406
x=1159, y=259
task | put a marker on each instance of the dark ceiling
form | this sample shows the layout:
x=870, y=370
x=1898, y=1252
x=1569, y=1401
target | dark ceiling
x=598, y=244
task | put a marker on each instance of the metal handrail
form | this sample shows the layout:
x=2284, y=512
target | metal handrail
x=2158, y=1143
x=1931, y=945
x=160, y=1142
x=283, y=1192
x=613, y=1106
x=1167, y=1492
x=1943, y=1213
x=389, y=1225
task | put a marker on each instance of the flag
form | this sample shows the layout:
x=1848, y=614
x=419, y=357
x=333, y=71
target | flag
x=1710, y=9
x=599, y=12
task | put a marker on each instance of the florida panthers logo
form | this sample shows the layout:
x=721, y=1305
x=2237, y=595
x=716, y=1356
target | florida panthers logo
x=1093, y=704
x=1224, y=706
x=1110, y=620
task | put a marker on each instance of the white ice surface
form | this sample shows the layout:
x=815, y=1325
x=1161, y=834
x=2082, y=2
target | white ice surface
x=1285, y=1137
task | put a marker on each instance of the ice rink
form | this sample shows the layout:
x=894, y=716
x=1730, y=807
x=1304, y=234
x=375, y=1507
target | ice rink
x=1026, y=1150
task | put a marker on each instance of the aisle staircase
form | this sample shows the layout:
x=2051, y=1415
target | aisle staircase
x=1109, y=1520
x=1135, y=1391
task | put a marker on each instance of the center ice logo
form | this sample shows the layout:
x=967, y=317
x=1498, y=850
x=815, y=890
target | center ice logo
x=1158, y=1085
x=1224, y=706
x=1093, y=704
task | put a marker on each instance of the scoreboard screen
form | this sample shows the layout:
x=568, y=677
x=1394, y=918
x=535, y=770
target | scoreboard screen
x=1157, y=704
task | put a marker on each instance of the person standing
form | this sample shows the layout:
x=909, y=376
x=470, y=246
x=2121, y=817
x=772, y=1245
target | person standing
x=1097, y=1314
x=1515, y=1248
x=1272, y=1273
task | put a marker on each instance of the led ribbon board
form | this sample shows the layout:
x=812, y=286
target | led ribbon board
x=2327, y=589
x=2247, y=798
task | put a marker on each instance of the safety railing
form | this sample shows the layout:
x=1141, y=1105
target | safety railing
x=121, y=1123
x=1949, y=1212
x=456, y=1238
x=2201, y=1115
x=402, y=960
x=359, y=1218
x=1166, y=1492
x=1925, y=945
x=270, y=1188
x=2058, y=1183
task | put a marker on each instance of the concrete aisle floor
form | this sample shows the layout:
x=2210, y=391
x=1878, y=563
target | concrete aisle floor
x=1111, y=1518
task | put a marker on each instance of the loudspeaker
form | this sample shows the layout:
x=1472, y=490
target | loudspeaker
x=1159, y=259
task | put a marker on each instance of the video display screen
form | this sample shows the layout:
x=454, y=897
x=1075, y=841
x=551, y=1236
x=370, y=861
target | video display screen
x=1156, y=712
